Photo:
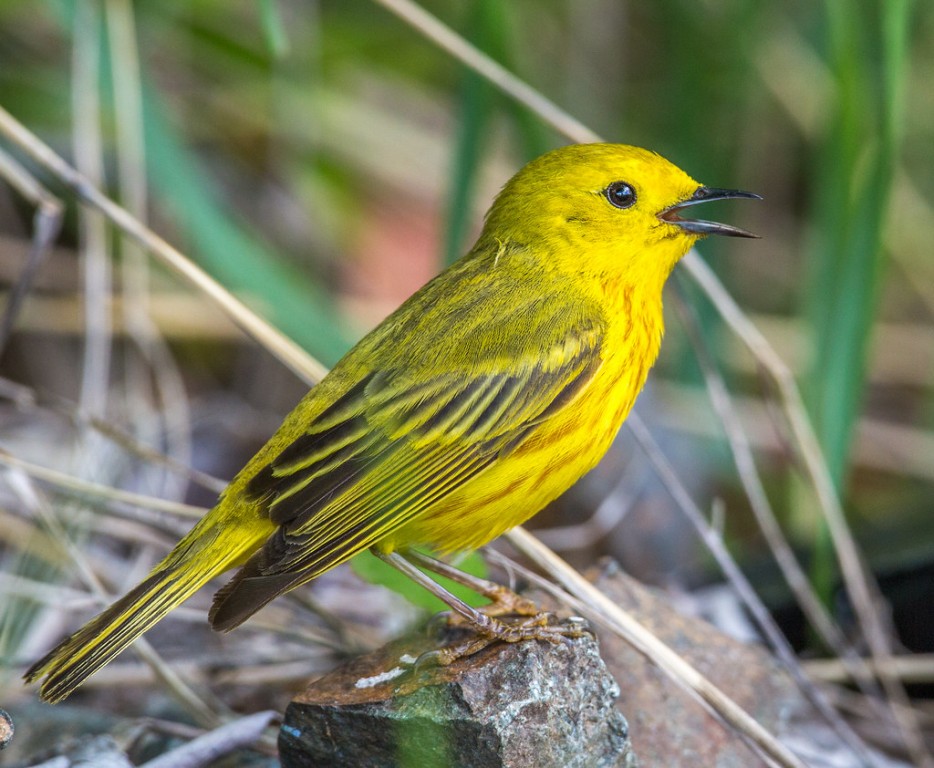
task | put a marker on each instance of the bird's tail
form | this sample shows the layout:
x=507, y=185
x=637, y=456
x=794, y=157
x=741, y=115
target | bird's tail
x=175, y=579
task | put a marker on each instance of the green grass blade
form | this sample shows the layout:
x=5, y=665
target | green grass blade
x=477, y=99
x=488, y=27
x=853, y=197
x=277, y=41
x=233, y=255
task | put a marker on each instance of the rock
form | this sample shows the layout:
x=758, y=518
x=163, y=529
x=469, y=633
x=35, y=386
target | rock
x=669, y=726
x=509, y=706
x=6, y=729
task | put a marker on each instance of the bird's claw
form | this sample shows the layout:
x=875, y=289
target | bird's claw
x=539, y=626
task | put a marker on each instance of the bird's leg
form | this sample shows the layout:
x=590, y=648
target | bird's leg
x=489, y=628
x=503, y=601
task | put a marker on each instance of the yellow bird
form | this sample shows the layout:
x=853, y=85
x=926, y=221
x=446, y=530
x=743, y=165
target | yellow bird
x=482, y=398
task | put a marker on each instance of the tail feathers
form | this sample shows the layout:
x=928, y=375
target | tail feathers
x=258, y=582
x=77, y=657
x=245, y=594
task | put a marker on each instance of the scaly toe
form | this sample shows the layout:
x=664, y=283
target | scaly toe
x=505, y=602
x=443, y=657
x=541, y=627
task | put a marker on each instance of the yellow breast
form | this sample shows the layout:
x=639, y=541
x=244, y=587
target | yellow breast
x=558, y=452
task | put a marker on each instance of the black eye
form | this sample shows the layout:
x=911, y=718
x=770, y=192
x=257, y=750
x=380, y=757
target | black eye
x=621, y=194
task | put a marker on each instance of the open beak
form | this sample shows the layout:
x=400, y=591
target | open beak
x=700, y=227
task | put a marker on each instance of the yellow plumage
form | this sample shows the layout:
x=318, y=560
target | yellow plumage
x=482, y=398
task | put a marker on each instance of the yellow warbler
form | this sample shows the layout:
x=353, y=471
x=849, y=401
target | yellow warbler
x=483, y=397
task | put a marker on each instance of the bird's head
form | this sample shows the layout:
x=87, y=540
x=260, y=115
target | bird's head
x=607, y=208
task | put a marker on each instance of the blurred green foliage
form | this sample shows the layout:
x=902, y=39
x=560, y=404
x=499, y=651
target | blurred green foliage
x=856, y=161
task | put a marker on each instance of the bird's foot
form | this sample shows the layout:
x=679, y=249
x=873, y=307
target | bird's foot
x=490, y=630
x=503, y=602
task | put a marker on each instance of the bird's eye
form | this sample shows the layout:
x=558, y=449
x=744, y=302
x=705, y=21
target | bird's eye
x=621, y=194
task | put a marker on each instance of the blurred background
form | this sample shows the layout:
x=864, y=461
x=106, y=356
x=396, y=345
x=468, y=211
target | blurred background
x=323, y=159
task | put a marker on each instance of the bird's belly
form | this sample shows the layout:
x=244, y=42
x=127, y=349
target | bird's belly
x=517, y=486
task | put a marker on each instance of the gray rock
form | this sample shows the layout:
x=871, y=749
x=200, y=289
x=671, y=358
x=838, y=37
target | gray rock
x=6, y=729
x=509, y=706
x=671, y=728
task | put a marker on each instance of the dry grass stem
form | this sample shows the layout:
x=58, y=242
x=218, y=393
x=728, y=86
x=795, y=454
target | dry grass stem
x=170, y=415
x=609, y=513
x=752, y=483
x=794, y=575
x=881, y=446
x=88, y=489
x=94, y=249
x=47, y=222
x=448, y=40
x=860, y=584
x=915, y=669
x=224, y=740
x=737, y=579
x=58, y=595
x=29, y=400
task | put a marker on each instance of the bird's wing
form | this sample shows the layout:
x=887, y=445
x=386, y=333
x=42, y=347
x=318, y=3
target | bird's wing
x=391, y=447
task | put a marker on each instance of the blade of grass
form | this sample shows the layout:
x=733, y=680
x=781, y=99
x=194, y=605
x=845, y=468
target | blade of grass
x=277, y=41
x=852, y=203
x=227, y=250
x=488, y=26
x=476, y=110
x=858, y=252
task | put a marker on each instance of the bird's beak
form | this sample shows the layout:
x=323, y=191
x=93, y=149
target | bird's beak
x=700, y=227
